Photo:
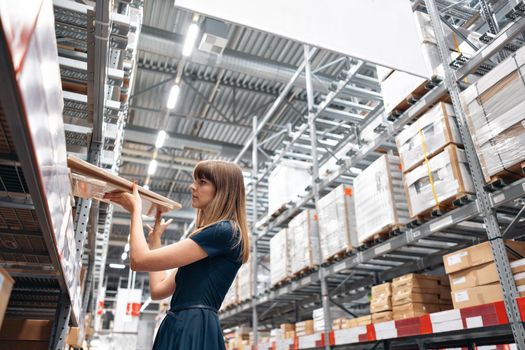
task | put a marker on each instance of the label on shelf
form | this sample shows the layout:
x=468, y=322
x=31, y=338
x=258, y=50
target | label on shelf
x=456, y=258
x=436, y=226
x=461, y=296
x=474, y=322
x=460, y=280
x=500, y=197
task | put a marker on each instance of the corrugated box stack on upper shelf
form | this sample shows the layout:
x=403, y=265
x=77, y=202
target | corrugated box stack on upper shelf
x=415, y=295
x=304, y=328
x=280, y=264
x=495, y=112
x=436, y=171
x=318, y=317
x=337, y=229
x=380, y=203
x=302, y=247
x=287, y=183
x=473, y=277
x=381, y=302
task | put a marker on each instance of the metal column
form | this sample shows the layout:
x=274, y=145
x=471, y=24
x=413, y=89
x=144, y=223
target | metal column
x=60, y=324
x=254, y=233
x=483, y=199
x=315, y=191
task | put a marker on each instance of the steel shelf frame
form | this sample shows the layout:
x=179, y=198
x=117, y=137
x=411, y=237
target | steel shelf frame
x=472, y=217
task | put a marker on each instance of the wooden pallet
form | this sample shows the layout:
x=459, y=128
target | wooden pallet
x=304, y=271
x=383, y=235
x=506, y=177
x=337, y=256
x=279, y=211
x=415, y=96
x=282, y=283
x=455, y=202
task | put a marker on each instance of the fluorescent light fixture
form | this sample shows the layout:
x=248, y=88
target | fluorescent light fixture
x=124, y=256
x=126, y=247
x=117, y=266
x=173, y=96
x=161, y=138
x=152, y=167
x=146, y=187
x=191, y=37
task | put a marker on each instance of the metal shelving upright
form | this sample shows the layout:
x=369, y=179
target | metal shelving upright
x=419, y=247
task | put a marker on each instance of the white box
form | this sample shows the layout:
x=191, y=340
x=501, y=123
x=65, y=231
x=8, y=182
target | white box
x=287, y=183
x=280, y=268
x=245, y=279
x=445, y=321
x=428, y=136
x=302, y=247
x=379, y=198
x=449, y=177
x=337, y=222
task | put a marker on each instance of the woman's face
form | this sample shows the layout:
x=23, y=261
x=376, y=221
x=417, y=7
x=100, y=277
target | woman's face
x=202, y=193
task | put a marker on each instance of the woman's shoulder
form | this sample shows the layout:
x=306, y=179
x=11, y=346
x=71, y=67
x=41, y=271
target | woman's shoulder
x=224, y=226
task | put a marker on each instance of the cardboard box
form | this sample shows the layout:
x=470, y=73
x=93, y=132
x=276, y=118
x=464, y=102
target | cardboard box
x=477, y=296
x=381, y=305
x=6, y=286
x=518, y=266
x=444, y=294
x=408, y=296
x=337, y=228
x=379, y=198
x=304, y=328
x=75, y=337
x=519, y=279
x=414, y=280
x=364, y=320
x=28, y=330
x=440, y=179
x=428, y=136
x=413, y=310
x=475, y=276
x=381, y=299
x=381, y=291
x=286, y=327
x=301, y=245
x=382, y=317
x=280, y=264
x=477, y=255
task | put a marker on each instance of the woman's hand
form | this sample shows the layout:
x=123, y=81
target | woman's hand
x=129, y=201
x=159, y=227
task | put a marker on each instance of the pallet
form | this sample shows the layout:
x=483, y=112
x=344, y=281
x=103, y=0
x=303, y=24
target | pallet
x=505, y=177
x=383, y=235
x=304, y=271
x=340, y=255
x=279, y=211
x=455, y=202
x=282, y=283
x=415, y=96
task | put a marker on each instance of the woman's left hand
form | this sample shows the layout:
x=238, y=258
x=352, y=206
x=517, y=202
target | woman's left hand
x=129, y=201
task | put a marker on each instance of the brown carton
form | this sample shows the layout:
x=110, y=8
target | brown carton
x=477, y=296
x=286, y=327
x=382, y=317
x=444, y=294
x=289, y=335
x=518, y=266
x=6, y=285
x=382, y=291
x=34, y=331
x=364, y=320
x=414, y=280
x=408, y=296
x=74, y=337
x=413, y=310
x=475, y=276
x=381, y=305
x=478, y=255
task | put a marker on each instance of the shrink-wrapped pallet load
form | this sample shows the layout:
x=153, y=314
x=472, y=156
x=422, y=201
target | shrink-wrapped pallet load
x=302, y=247
x=379, y=198
x=232, y=296
x=245, y=279
x=495, y=112
x=337, y=222
x=287, y=183
x=279, y=257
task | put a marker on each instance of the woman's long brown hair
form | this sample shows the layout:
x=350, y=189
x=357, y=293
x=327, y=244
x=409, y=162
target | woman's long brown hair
x=229, y=202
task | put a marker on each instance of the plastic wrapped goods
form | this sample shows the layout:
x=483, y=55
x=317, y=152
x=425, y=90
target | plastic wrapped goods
x=495, y=112
x=232, y=296
x=438, y=181
x=337, y=222
x=380, y=202
x=426, y=137
x=302, y=248
x=287, y=183
x=245, y=278
x=279, y=257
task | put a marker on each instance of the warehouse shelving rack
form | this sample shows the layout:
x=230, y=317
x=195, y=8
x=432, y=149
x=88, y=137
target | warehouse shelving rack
x=419, y=247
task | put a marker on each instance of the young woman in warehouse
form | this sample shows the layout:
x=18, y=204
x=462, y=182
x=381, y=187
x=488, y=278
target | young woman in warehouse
x=206, y=263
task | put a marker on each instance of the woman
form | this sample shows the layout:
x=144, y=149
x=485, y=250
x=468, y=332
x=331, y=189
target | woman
x=205, y=264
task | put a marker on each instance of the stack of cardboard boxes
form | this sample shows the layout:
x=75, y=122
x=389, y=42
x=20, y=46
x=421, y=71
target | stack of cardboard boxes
x=381, y=303
x=358, y=321
x=302, y=248
x=473, y=275
x=304, y=328
x=518, y=270
x=415, y=295
x=318, y=317
x=288, y=330
x=279, y=257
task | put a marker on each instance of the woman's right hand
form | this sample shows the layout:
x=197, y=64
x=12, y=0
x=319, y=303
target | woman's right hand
x=158, y=229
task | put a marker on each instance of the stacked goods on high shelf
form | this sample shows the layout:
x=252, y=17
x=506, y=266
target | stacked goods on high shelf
x=304, y=328
x=473, y=275
x=302, y=247
x=436, y=171
x=245, y=278
x=337, y=223
x=6, y=285
x=264, y=337
x=232, y=296
x=399, y=88
x=495, y=112
x=279, y=257
x=380, y=203
x=415, y=295
x=359, y=321
x=381, y=302
x=318, y=317
x=287, y=183
x=240, y=340
x=518, y=272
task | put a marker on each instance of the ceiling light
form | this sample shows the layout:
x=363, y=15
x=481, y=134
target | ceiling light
x=173, y=96
x=117, y=266
x=161, y=138
x=124, y=256
x=191, y=37
x=152, y=167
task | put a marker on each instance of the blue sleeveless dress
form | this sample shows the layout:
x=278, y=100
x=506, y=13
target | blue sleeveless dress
x=192, y=322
